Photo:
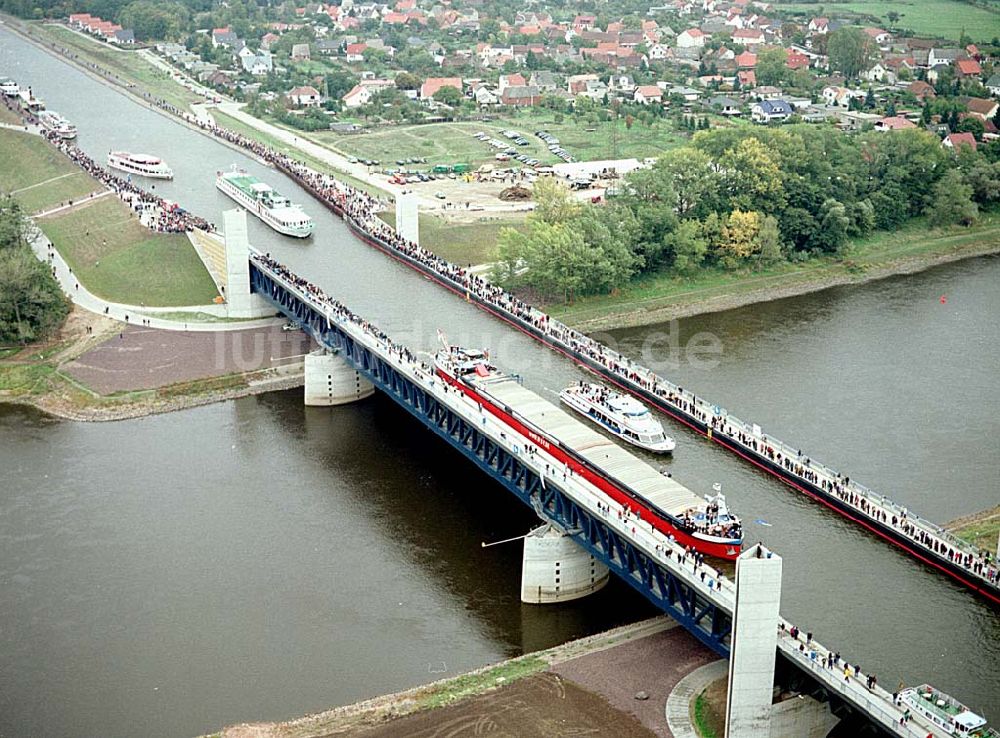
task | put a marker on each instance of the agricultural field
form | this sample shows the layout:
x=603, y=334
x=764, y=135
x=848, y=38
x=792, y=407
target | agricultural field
x=118, y=259
x=453, y=143
x=37, y=174
x=944, y=18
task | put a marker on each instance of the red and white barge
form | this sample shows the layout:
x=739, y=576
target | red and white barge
x=706, y=525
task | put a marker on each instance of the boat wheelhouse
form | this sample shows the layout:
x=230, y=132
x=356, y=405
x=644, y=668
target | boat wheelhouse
x=143, y=165
x=611, y=471
x=619, y=414
x=52, y=121
x=935, y=708
x=266, y=203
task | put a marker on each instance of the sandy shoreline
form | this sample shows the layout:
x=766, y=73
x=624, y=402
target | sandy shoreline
x=59, y=407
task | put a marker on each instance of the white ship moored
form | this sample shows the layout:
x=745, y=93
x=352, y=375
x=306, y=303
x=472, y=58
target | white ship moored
x=933, y=707
x=266, y=203
x=622, y=415
x=54, y=122
x=9, y=87
x=142, y=164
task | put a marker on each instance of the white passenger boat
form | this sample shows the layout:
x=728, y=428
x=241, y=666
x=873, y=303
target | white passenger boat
x=9, y=87
x=266, y=203
x=142, y=164
x=52, y=121
x=622, y=415
x=934, y=708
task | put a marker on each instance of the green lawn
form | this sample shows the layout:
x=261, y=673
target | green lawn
x=37, y=173
x=661, y=291
x=127, y=64
x=9, y=116
x=120, y=260
x=981, y=531
x=453, y=143
x=947, y=18
x=461, y=243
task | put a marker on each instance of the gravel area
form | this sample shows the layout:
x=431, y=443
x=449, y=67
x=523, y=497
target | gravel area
x=144, y=358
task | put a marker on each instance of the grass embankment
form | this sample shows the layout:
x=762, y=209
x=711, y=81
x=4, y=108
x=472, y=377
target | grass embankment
x=109, y=250
x=463, y=243
x=656, y=298
x=37, y=174
x=981, y=529
x=129, y=65
x=935, y=18
x=117, y=258
x=708, y=712
x=9, y=116
x=453, y=143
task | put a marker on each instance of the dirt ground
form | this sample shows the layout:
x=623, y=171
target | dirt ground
x=144, y=358
x=653, y=665
x=541, y=706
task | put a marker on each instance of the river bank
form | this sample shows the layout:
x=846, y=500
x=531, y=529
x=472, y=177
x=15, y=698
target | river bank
x=982, y=528
x=659, y=301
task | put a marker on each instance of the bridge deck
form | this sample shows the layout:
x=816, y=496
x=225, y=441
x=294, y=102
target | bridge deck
x=709, y=583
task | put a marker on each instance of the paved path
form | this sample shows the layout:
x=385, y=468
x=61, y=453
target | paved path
x=76, y=203
x=678, y=708
x=134, y=314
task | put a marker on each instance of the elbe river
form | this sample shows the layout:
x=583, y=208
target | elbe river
x=256, y=559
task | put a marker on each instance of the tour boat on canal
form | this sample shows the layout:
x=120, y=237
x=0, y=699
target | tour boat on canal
x=9, y=87
x=706, y=526
x=52, y=121
x=942, y=712
x=266, y=203
x=621, y=415
x=143, y=165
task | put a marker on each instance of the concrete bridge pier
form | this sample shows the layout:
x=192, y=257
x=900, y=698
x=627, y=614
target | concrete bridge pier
x=555, y=569
x=329, y=380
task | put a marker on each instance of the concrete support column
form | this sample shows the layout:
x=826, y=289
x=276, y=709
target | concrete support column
x=332, y=381
x=754, y=644
x=239, y=300
x=555, y=569
x=408, y=217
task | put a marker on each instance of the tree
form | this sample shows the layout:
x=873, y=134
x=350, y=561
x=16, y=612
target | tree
x=984, y=179
x=752, y=176
x=739, y=237
x=833, y=226
x=693, y=181
x=768, y=244
x=31, y=303
x=849, y=50
x=951, y=202
x=688, y=245
x=154, y=20
x=339, y=82
x=972, y=125
x=771, y=66
x=449, y=96
x=554, y=203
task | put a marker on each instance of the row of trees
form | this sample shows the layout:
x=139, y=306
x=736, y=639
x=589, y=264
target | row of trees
x=31, y=303
x=742, y=198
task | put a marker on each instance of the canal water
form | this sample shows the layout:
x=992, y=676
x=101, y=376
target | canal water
x=257, y=559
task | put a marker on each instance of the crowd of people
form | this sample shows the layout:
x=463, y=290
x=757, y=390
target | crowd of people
x=360, y=210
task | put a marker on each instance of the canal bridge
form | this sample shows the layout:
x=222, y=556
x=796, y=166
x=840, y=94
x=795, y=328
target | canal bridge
x=699, y=597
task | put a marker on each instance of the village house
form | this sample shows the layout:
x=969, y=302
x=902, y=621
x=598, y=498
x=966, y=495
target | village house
x=223, y=37
x=956, y=140
x=690, y=38
x=893, y=123
x=770, y=111
x=648, y=95
x=300, y=52
x=304, y=97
